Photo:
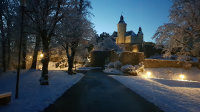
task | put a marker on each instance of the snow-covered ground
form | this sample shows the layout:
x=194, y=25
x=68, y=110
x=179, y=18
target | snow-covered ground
x=173, y=73
x=113, y=71
x=170, y=95
x=32, y=96
x=88, y=68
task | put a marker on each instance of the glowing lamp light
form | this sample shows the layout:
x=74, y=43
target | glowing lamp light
x=88, y=59
x=148, y=75
x=41, y=55
x=135, y=50
x=181, y=76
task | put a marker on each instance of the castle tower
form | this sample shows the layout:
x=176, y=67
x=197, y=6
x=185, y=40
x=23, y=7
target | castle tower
x=121, y=26
x=140, y=34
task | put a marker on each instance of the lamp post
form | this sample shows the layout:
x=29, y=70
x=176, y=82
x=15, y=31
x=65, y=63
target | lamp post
x=22, y=2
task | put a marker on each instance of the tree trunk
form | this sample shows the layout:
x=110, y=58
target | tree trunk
x=35, y=54
x=199, y=62
x=3, y=54
x=8, y=42
x=24, y=47
x=70, y=65
x=8, y=51
x=45, y=60
x=71, y=57
x=3, y=42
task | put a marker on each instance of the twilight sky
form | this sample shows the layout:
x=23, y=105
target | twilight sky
x=149, y=14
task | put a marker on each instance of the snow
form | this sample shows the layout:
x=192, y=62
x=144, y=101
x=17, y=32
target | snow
x=116, y=68
x=88, y=68
x=173, y=73
x=112, y=71
x=169, y=94
x=32, y=96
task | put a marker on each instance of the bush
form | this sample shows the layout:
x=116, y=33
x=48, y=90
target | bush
x=116, y=65
x=140, y=67
x=127, y=68
x=133, y=70
x=110, y=65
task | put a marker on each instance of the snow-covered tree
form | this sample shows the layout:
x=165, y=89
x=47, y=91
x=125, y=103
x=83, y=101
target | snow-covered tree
x=75, y=28
x=181, y=36
x=45, y=16
x=106, y=42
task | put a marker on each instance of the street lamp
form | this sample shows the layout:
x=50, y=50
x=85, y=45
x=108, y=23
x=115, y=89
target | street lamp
x=22, y=2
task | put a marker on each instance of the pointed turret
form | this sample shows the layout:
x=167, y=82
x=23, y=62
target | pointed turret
x=140, y=33
x=122, y=20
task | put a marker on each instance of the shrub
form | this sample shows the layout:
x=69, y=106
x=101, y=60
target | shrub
x=127, y=68
x=117, y=64
x=132, y=70
x=110, y=65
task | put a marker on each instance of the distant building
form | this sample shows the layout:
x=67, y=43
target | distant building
x=133, y=42
x=128, y=37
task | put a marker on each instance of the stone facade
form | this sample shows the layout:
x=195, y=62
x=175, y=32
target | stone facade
x=131, y=58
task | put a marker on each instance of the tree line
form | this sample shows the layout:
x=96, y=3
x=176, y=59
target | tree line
x=46, y=23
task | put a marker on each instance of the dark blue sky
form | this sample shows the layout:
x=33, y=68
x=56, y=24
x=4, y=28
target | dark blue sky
x=149, y=14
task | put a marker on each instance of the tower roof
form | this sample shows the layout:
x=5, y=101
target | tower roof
x=122, y=20
x=140, y=31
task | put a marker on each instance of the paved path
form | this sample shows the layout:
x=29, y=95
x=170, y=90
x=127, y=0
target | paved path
x=97, y=92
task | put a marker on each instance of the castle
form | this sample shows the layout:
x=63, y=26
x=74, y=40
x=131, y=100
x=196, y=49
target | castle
x=128, y=39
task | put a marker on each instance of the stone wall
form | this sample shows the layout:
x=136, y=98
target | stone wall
x=156, y=63
x=133, y=58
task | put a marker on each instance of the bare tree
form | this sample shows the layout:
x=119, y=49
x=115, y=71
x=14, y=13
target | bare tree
x=77, y=28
